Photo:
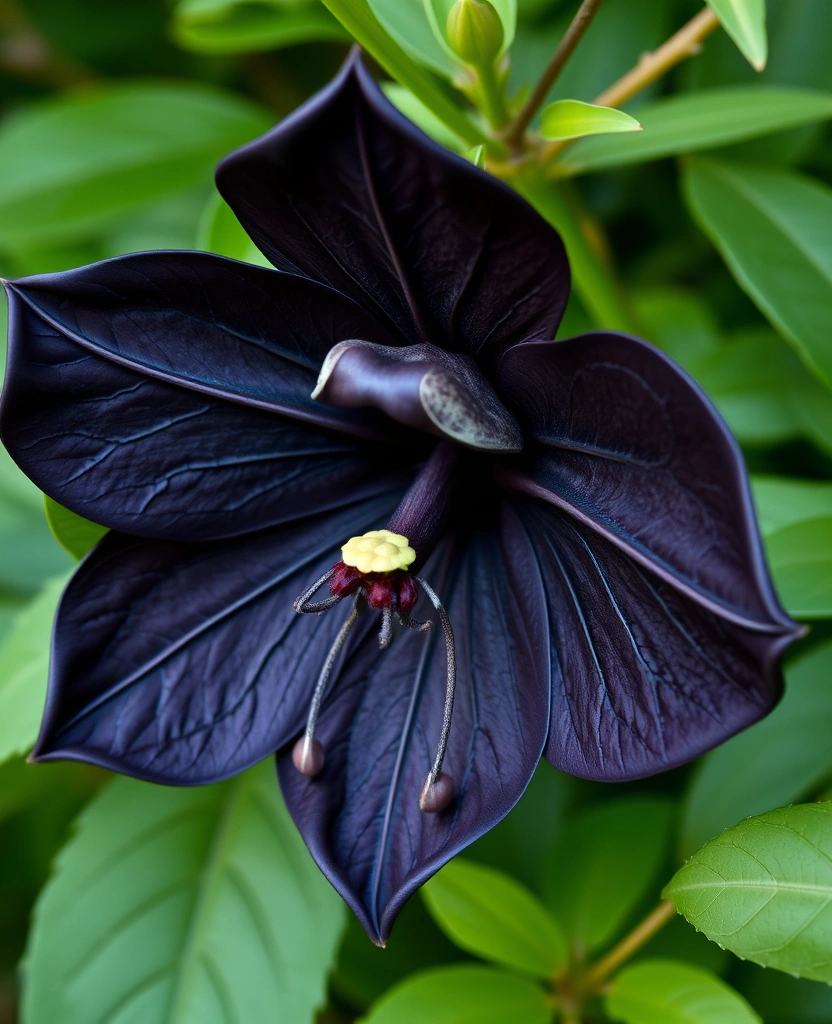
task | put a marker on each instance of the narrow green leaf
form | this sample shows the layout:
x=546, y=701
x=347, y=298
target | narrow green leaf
x=774, y=230
x=243, y=26
x=408, y=24
x=781, y=759
x=463, y=995
x=763, y=889
x=572, y=119
x=782, y=501
x=74, y=164
x=183, y=906
x=491, y=915
x=74, y=533
x=420, y=115
x=701, y=120
x=604, y=863
x=668, y=992
x=476, y=156
x=220, y=232
x=800, y=558
x=24, y=670
x=745, y=23
x=358, y=19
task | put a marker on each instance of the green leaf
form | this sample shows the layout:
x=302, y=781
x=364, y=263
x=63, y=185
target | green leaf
x=783, y=758
x=774, y=230
x=489, y=914
x=24, y=670
x=358, y=19
x=679, y=322
x=745, y=23
x=463, y=995
x=572, y=119
x=183, y=906
x=420, y=115
x=437, y=12
x=786, y=1000
x=406, y=21
x=701, y=120
x=604, y=863
x=782, y=501
x=763, y=889
x=667, y=992
x=241, y=26
x=72, y=165
x=220, y=232
x=74, y=533
x=800, y=559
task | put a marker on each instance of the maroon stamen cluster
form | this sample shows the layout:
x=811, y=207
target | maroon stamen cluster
x=395, y=591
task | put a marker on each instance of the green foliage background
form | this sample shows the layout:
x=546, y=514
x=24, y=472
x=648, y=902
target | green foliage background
x=709, y=233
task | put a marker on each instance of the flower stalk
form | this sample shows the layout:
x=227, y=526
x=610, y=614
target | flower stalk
x=629, y=945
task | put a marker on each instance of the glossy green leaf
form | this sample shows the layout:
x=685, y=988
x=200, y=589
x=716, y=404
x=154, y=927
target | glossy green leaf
x=572, y=119
x=745, y=23
x=781, y=501
x=774, y=230
x=763, y=889
x=463, y=995
x=408, y=24
x=604, y=863
x=491, y=915
x=24, y=670
x=800, y=558
x=241, y=26
x=74, y=533
x=437, y=12
x=358, y=19
x=783, y=758
x=220, y=232
x=668, y=992
x=701, y=120
x=72, y=165
x=183, y=906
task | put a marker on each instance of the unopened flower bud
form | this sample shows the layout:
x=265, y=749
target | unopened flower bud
x=475, y=32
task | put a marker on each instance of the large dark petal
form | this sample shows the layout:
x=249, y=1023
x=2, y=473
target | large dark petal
x=139, y=395
x=185, y=663
x=361, y=817
x=349, y=192
x=628, y=444
x=644, y=677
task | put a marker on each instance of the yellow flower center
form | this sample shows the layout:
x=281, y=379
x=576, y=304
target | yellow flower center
x=378, y=551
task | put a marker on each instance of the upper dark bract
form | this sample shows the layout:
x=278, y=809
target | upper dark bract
x=584, y=516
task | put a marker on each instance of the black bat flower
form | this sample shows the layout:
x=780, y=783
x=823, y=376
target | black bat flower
x=571, y=518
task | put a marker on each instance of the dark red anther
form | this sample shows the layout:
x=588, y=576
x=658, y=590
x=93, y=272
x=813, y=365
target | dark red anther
x=408, y=595
x=345, y=581
x=381, y=591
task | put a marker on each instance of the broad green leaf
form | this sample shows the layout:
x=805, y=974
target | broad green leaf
x=463, y=995
x=74, y=164
x=679, y=322
x=701, y=120
x=603, y=864
x=437, y=12
x=359, y=20
x=572, y=119
x=240, y=26
x=74, y=533
x=28, y=552
x=220, y=232
x=668, y=992
x=24, y=670
x=745, y=23
x=20, y=784
x=781, y=501
x=774, y=230
x=407, y=23
x=489, y=914
x=183, y=906
x=763, y=889
x=782, y=758
x=800, y=558
x=420, y=115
